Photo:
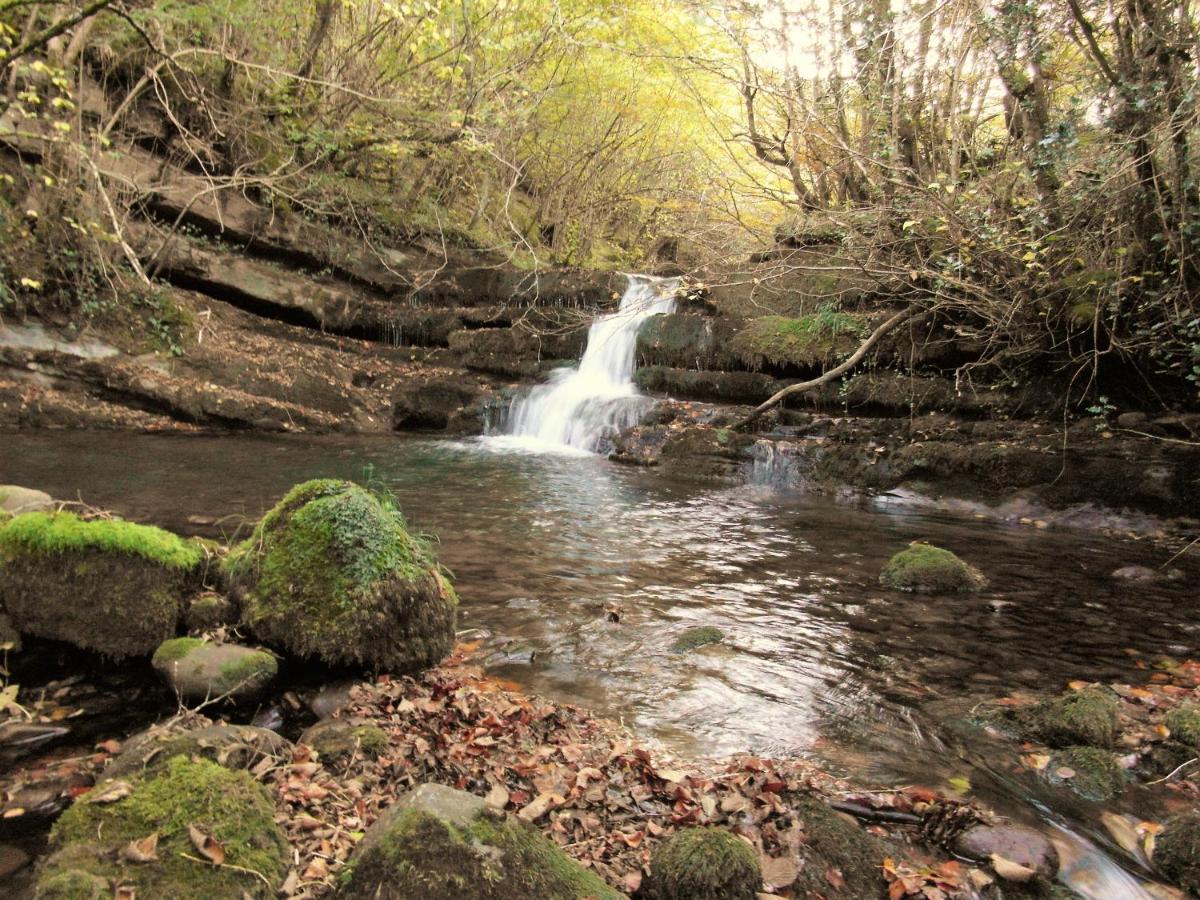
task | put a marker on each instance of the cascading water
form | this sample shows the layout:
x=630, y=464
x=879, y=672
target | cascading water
x=578, y=407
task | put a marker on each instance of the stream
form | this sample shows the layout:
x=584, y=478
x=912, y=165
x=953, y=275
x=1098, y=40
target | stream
x=819, y=661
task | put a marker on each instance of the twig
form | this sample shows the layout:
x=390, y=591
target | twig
x=1175, y=771
x=224, y=865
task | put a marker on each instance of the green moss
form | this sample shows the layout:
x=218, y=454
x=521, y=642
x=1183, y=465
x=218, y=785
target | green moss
x=1184, y=724
x=110, y=586
x=1078, y=718
x=332, y=572
x=698, y=636
x=491, y=859
x=1177, y=851
x=230, y=806
x=63, y=532
x=174, y=650
x=258, y=666
x=805, y=342
x=832, y=842
x=929, y=569
x=73, y=884
x=704, y=864
x=335, y=740
x=1098, y=774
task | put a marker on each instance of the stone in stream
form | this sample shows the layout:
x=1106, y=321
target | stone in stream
x=1091, y=772
x=1016, y=843
x=1184, y=724
x=1086, y=717
x=696, y=637
x=330, y=698
x=1177, y=851
x=101, y=584
x=338, y=740
x=704, y=864
x=185, y=804
x=332, y=573
x=15, y=500
x=437, y=843
x=231, y=746
x=198, y=670
x=923, y=568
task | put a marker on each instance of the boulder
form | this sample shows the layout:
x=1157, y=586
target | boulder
x=1091, y=772
x=704, y=864
x=923, y=568
x=104, y=584
x=709, y=454
x=15, y=499
x=231, y=746
x=199, y=670
x=332, y=573
x=437, y=843
x=140, y=832
x=1177, y=851
x=1024, y=846
x=432, y=404
x=832, y=841
x=338, y=740
x=1087, y=718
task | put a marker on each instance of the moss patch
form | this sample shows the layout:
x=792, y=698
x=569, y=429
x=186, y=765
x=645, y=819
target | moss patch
x=335, y=740
x=258, y=667
x=832, y=842
x=1097, y=773
x=175, y=650
x=1177, y=851
x=699, y=636
x=230, y=806
x=806, y=342
x=928, y=569
x=704, y=864
x=422, y=856
x=110, y=586
x=332, y=572
x=1078, y=718
x=1184, y=724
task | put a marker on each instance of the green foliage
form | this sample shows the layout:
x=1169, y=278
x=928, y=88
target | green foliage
x=420, y=855
x=230, y=806
x=704, y=864
x=928, y=569
x=43, y=533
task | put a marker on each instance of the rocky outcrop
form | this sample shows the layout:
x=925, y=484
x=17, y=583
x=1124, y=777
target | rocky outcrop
x=442, y=403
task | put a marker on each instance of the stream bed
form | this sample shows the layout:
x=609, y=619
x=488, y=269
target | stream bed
x=819, y=661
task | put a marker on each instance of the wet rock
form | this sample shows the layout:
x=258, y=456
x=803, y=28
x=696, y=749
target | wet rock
x=103, y=584
x=331, y=572
x=1177, y=851
x=704, y=864
x=707, y=454
x=338, y=740
x=1184, y=724
x=330, y=698
x=832, y=841
x=14, y=733
x=1135, y=573
x=231, y=746
x=1132, y=420
x=270, y=719
x=435, y=842
x=15, y=499
x=687, y=341
x=923, y=568
x=94, y=836
x=209, y=611
x=1091, y=772
x=698, y=636
x=1086, y=717
x=1024, y=846
x=689, y=384
x=433, y=404
x=199, y=670
x=12, y=859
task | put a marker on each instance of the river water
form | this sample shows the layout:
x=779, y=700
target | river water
x=819, y=660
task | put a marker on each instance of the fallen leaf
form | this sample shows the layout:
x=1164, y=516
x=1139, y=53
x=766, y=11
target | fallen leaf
x=497, y=797
x=109, y=793
x=143, y=851
x=1011, y=871
x=1064, y=772
x=206, y=845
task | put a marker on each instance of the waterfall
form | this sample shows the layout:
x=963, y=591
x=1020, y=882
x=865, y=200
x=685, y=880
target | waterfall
x=580, y=406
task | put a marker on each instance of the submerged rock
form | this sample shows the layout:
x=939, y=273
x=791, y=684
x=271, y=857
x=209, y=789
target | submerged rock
x=15, y=499
x=104, y=584
x=1177, y=851
x=332, y=573
x=1024, y=846
x=199, y=670
x=704, y=864
x=336, y=740
x=231, y=746
x=441, y=844
x=1091, y=772
x=141, y=832
x=923, y=568
x=698, y=636
x=1087, y=717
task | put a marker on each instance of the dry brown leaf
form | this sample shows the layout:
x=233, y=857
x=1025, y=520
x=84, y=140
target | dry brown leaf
x=1011, y=871
x=779, y=872
x=108, y=793
x=143, y=851
x=497, y=797
x=206, y=845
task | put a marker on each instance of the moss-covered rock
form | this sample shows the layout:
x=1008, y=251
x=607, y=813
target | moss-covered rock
x=1087, y=718
x=1177, y=851
x=924, y=568
x=336, y=740
x=785, y=345
x=704, y=864
x=200, y=670
x=686, y=341
x=1091, y=772
x=231, y=807
x=208, y=611
x=1184, y=724
x=441, y=844
x=834, y=842
x=104, y=585
x=332, y=572
x=231, y=746
x=697, y=636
